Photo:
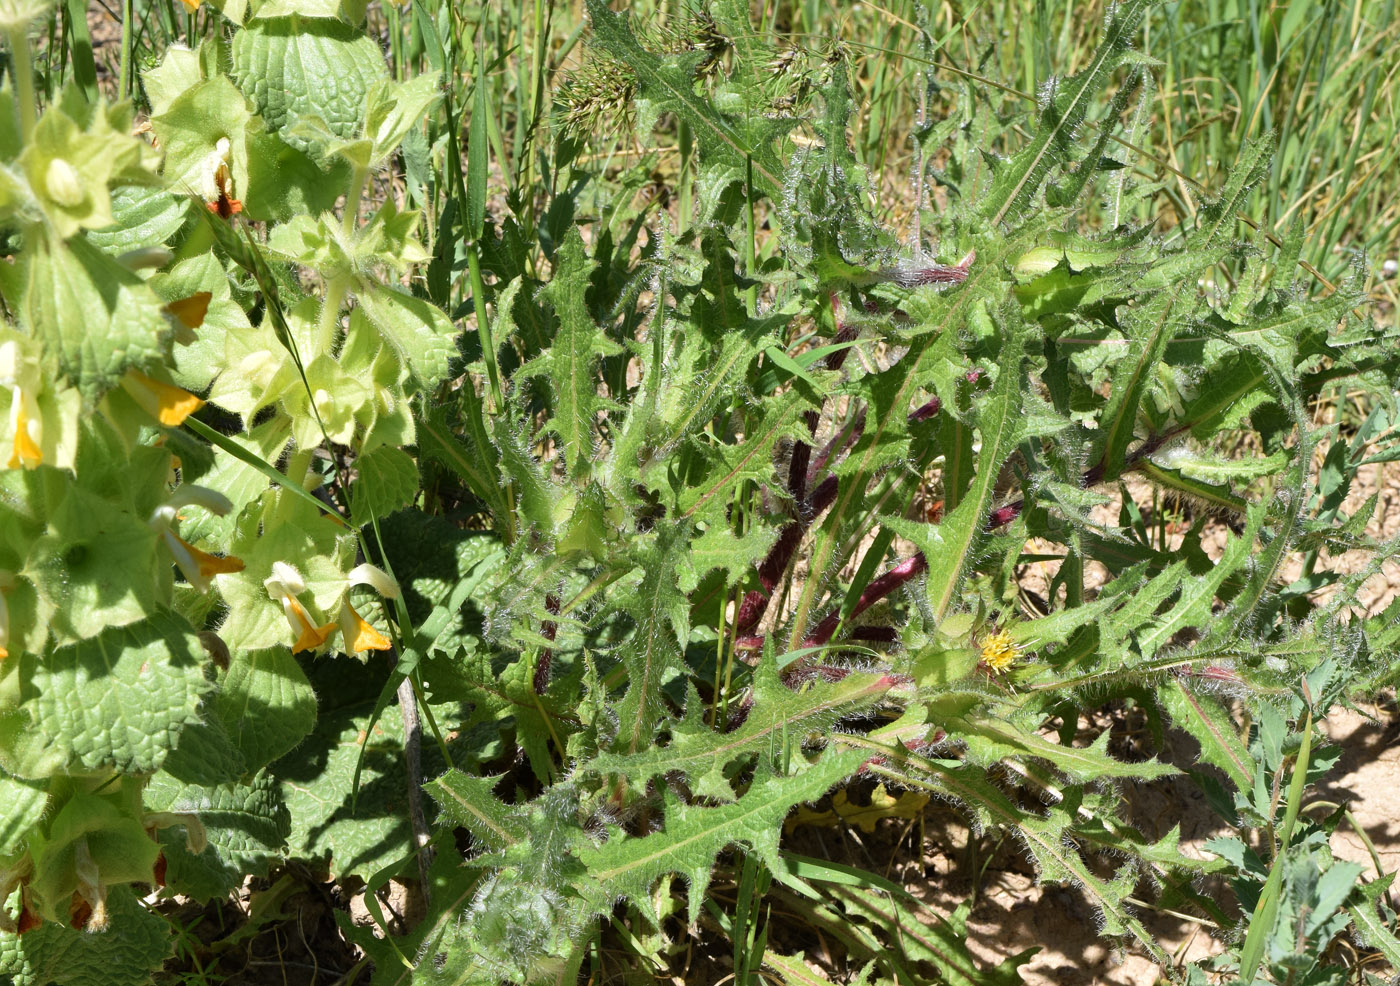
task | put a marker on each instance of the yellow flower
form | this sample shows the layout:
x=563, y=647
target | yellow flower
x=165, y=402
x=26, y=423
x=358, y=635
x=999, y=652
x=41, y=427
x=197, y=566
x=284, y=585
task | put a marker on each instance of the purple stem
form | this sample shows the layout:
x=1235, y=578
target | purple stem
x=917, y=277
x=878, y=589
x=547, y=630
x=925, y=411
x=841, y=441
x=754, y=603
x=770, y=570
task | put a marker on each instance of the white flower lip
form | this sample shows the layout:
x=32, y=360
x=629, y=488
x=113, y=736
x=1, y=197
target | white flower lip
x=376, y=578
x=9, y=363
x=190, y=495
x=285, y=580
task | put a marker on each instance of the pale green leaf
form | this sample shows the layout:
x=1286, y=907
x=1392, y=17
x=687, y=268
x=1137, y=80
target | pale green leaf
x=24, y=803
x=693, y=835
x=578, y=345
x=468, y=802
x=653, y=653
x=131, y=950
x=95, y=318
x=388, y=481
x=420, y=335
x=775, y=723
x=949, y=546
x=118, y=700
x=315, y=67
x=245, y=824
x=265, y=703
x=1204, y=718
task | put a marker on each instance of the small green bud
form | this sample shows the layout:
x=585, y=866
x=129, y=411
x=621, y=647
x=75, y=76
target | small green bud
x=1040, y=260
x=63, y=184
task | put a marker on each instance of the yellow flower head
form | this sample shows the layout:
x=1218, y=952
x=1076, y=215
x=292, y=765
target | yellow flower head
x=999, y=652
x=286, y=584
x=197, y=566
x=168, y=404
x=26, y=422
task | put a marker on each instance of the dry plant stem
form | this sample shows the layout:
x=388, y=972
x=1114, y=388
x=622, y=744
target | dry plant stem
x=413, y=767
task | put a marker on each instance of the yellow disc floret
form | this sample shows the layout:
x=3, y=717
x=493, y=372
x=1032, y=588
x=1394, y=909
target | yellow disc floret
x=999, y=652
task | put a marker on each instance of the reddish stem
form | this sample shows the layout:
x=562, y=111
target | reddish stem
x=547, y=630
x=924, y=411
x=754, y=603
x=878, y=589
x=917, y=277
x=752, y=607
x=841, y=441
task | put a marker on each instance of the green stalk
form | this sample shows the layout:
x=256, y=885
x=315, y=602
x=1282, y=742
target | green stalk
x=483, y=328
x=337, y=287
x=686, y=141
x=750, y=261
x=1261, y=924
x=23, y=71
x=124, y=75
x=352, y=199
x=532, y=120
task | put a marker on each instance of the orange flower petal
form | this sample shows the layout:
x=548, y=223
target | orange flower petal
x=225, y=207
x=26, y=451
x=213, y=564
x=359, y=635
x=168, y=404
x=313, y=637
x=191, y=311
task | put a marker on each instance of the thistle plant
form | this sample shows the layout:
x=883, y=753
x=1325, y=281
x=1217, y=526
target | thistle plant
x=649, y=555
x=723, y=595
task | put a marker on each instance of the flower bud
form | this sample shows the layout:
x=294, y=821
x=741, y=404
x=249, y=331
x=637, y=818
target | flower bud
x=63, y=183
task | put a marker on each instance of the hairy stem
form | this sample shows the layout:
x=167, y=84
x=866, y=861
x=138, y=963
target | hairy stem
x=23, y=72
x=878, y=589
